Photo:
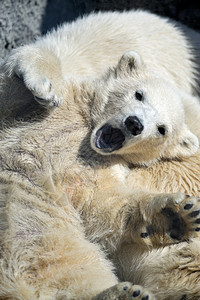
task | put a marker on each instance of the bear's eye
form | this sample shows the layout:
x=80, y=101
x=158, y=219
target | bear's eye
x=162, y=130
x=139, y=95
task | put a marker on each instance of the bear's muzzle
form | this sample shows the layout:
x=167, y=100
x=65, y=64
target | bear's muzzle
x=109, y=138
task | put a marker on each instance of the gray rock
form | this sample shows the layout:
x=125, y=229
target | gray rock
x=20, y=22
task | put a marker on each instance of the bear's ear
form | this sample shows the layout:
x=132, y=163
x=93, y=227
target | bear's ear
x=186, y=145
x=129, y=62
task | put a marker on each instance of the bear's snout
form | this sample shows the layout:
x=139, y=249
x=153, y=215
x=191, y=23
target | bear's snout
x=134, y=125
x=109, y=138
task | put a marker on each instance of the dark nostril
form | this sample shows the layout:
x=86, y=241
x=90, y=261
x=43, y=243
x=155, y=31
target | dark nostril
x=134, y=125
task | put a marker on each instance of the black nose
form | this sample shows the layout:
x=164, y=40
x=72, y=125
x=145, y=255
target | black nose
x=134, y=125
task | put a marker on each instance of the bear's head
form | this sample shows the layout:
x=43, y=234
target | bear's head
x=139, y=115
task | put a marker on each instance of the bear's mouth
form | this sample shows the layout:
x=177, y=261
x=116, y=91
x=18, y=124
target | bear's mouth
x=109, y=138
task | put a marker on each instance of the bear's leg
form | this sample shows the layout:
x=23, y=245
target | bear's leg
x=148, y=220
x=44, y=253
x=171, y=272
x=62, y=265
x=40, y=70
x=56, y=266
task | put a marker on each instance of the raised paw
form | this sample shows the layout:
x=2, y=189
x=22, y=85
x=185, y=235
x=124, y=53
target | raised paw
x=172, y=218
x=125, y=291
x=44, y=93
x=188, y=209
x=37, y=70
x=182, y=214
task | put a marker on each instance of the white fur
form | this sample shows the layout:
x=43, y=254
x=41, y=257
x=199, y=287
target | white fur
x=64, y=206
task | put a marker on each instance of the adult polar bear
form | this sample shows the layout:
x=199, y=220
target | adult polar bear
x=35, y=262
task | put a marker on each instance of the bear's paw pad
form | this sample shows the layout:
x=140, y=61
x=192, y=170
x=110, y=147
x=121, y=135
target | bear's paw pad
x=125, y=291
x=183, y=215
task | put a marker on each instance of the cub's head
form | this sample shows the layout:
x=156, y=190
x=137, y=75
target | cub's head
x=139, y=115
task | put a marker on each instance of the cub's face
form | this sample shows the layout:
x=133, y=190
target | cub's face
x=138, y=115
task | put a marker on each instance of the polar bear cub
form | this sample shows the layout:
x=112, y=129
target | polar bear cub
x=73, y=185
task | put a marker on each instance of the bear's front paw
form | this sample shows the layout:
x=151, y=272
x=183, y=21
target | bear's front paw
x=44, y=93
x=175, y=218
x=31, y=65
x=125, y=291
x=183, y=219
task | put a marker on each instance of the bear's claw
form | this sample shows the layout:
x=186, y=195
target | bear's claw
x=125, y=291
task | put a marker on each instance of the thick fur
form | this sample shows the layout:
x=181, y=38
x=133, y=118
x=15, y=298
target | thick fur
x=70, y=200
